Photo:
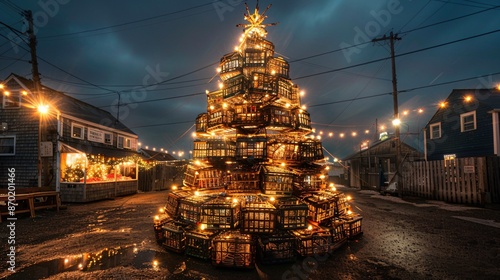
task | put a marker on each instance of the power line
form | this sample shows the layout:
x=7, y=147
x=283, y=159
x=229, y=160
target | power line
x=399, y=55
x=160, y=124
x=125, y=23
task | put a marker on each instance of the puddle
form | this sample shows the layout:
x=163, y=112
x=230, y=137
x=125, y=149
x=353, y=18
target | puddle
x=105, y=259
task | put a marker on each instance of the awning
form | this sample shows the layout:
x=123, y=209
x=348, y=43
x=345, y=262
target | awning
x=88, y=148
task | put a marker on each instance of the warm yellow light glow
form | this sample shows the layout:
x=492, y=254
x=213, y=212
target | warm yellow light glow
x=207, y=91
x=43, y=108
x=442, y=104
x=203, y=226
x=218, y=69
x=322, y=177
x=272, y=198
x=348, y=198
x=224, y=105
x=273, y=72
x=221, y=85
x=330, y=134
x=318, y=137
x=309, y=227
x=162, y=210
x=24, y=92
x=354, y=134
x=157, y=218
x=287, y=105
x=349, y=212
x=155, y=263
x=302, y=93
x=396, y=122
x=420, y=110
x=212, y=107
x=194, y=134
x=468, y=98
x=197, y=162
x=196, y=193
x=327, y=168
x=342, y=135
x=1, y=86
x=405, y=112
x=6, y=93
x=283, y=164
x=367, y=131
x=174, y=187
x=235, y=200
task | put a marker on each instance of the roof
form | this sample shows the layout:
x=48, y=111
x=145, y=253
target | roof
x=73, y=107
x=155, y=155
x=377, y=143
x=90, y=148
x=485, y=98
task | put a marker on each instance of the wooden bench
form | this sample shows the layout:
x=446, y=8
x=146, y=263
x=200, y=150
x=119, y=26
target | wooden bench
x=29, y=200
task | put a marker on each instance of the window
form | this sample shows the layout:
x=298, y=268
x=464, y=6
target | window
x=77, y=131
x=119, y=142
x=7, y=145
x=468, y=121
x=435, y=130
x=11, y=99
x=108, y=138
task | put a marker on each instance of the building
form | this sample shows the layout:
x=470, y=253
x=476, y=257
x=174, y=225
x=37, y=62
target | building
x=374, y=159
x=160, y=170
x=85, y=153
x=465, y=125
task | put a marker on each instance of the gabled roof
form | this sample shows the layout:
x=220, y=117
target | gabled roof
x=485, y=98
x=73, y=107
x=155, y=155
x=377, y=143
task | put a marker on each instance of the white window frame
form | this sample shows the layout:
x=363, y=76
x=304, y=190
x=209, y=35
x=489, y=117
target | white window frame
x=126, y=143
x=438, y=125
x=73, y=125
x=12, y=95
x=110, y=138
x=462, y=123
x=14, y=146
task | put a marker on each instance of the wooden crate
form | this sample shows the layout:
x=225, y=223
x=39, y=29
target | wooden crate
x=258, y=217
x=352, y=225
x=173, y=199
x=209, y=178
x=314, y=240
x=190, y=208
x=221, y=213
x=199, y=243
x=277, y=248
x=233, y=249
x=292, y=213
x=174, y=238
x=321, y=205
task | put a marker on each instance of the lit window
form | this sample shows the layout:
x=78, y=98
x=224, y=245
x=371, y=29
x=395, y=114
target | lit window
x=119, y=142
x=468, y=121
x=435, y=130
x=77, y=131
x=7, y=145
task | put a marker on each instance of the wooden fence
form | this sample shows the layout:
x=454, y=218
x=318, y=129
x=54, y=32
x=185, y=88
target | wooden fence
x=161, y=176
x=462, y=180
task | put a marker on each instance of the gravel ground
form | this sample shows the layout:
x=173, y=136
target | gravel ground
x=114, y=239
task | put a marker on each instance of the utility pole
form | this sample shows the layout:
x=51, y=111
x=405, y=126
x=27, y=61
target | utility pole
x=394, y=37
x=34, y=60
x=38, y=96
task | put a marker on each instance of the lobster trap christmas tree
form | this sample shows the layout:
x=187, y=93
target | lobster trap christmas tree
x=257, y=186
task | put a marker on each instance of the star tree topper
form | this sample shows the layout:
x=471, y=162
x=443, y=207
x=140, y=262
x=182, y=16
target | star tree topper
x=255, y=25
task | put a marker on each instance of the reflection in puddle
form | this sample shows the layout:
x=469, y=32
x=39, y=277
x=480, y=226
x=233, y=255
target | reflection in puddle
x=105, y=259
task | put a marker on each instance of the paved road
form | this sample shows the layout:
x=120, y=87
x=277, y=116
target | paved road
x=403, y=239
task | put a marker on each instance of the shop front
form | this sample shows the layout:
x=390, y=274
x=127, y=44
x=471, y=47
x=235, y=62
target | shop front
x=90, y=173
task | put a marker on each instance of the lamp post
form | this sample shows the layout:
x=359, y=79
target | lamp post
x=397, y=123
x=42, y=110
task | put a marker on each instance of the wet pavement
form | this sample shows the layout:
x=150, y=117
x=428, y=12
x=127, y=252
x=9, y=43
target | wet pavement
x=402, y=239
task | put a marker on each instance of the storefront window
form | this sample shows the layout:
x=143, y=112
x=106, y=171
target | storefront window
x=79, y=167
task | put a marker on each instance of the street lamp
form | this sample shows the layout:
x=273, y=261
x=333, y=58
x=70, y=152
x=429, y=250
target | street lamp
x=42, y=110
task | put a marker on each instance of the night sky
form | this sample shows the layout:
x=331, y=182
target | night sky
x=161, y=56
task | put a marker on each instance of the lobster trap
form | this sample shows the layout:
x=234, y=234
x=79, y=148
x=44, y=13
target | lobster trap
x=313, y=241
x=352, y=225
x=258, y=217
x=220, y=213
x=277, y=181
x=321, y=205
x=158, y=223
x=190, y=208
x=174, y=238
x=233, y=249
x=292, y=213
x=277, y=248
x=339, y=235
x=199, y=243
x=246, y=180
x=173, y=200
